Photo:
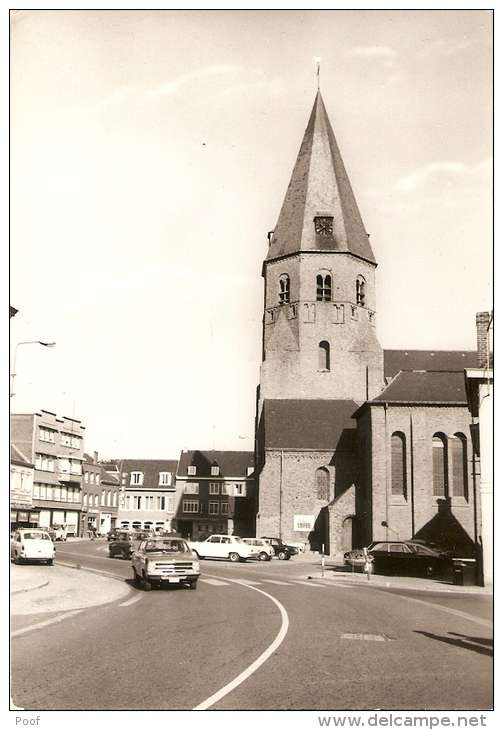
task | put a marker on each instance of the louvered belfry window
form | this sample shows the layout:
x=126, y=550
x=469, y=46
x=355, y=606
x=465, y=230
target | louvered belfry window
x=439, y=458
x=323, y=288
x=398, y=465
x=459, y=466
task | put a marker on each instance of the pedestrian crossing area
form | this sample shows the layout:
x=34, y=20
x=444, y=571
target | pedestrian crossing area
x=308, y=583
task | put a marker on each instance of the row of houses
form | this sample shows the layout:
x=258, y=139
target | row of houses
x=54, y=481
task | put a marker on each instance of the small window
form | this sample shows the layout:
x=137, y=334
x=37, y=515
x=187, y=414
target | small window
x=191, y=505
x=191, y=471
x=224, y=508
x=213, y=508
x=398, y=465
x=323, y=288
x=86, y=477
x=240, y=490
x=136, y=478
x=164, y=478
x=215, y=470
x=439, y=465
x=214, y=488
x=360, y=291
x=191, y=488
x=324, y=356
x=284, y=289
x=250, y=470
x=322, y=484
x=459, y=466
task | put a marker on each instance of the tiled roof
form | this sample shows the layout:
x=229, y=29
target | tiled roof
x=149, y=467
x=425, y=387
x=309, y=424
x=319, y=186
x=16, y=455
x=396, y=360
x=231, y=463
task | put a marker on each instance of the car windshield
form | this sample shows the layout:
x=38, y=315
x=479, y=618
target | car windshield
x=167, y=546
x=236, y=539
x=35, y=536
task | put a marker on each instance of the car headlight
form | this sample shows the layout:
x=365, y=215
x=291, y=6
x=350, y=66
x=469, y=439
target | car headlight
x=196, y=565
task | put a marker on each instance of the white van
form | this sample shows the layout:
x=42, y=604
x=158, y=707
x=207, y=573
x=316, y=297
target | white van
x=32, y=545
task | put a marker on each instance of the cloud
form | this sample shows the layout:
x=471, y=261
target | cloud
x=445, y=47
x=422, y=175
x=382, y=52
x=171, y=87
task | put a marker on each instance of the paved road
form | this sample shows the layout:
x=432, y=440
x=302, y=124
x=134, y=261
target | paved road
x=254, y=636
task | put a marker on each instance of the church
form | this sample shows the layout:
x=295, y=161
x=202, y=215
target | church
x=353, y=443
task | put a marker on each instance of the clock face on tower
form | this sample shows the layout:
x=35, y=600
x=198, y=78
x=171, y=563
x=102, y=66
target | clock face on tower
x=324, y=225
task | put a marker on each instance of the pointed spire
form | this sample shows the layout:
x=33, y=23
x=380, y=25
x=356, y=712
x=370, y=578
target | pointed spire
x=319, y=186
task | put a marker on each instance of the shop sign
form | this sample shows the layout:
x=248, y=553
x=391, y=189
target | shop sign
x=33, y=518
x=22, y=516
x=303, y=523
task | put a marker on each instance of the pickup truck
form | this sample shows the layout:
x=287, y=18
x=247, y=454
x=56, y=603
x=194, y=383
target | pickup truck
x=164, y=560
x=229, y=547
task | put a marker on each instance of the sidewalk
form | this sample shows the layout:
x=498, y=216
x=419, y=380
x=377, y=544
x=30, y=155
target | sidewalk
x=46, y=588
x=335, y=570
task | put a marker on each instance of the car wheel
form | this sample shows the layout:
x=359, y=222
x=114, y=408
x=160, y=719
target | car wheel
x=50, y=562
x=147, y=585
x=234, y=557
x=193, y=585
x=282, y=555
x=264, y=556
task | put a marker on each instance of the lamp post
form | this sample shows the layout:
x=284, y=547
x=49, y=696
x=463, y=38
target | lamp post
x=27, y=342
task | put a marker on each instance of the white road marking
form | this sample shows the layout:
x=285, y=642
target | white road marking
x=132, y=600
x=43, y=624
x=308, y=583
x=452, y=611
x=214, y=582
x=364, y=637
x=261, y=659
x=92, y=570
x=246, y=582
x=277, y=582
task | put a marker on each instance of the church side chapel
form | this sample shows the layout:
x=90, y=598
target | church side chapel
x=353, y=443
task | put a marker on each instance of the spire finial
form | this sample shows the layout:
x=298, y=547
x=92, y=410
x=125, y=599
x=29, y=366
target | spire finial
x=317, y=61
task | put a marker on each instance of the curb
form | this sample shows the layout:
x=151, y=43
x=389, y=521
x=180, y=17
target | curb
x=388, y=586
x=31, y=588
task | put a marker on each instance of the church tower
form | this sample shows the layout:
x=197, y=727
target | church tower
x=319, y=338
x=321, y=357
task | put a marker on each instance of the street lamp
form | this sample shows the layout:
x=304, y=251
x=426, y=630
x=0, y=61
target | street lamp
x=27, y=342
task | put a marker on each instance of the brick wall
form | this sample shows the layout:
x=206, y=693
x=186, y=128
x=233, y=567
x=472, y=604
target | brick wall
x=420, y=510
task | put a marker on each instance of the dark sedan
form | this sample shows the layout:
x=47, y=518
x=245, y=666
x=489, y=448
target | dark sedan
x=408, y=558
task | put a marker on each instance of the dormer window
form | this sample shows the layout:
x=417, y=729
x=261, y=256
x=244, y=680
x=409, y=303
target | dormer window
x=215, y=470
x=323, y=288
x=164, y=478
x=284, y=289
x=360, y=291
x=136, y=478
x=191, y=471
x=324, y=225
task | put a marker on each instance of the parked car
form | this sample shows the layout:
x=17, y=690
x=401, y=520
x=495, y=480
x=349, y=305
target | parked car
x=161, y=560
x=122, y=545
x=113, y=533
x=58, y=532
x=283, y=551
x=402, y=558
x=228, y=547
x=32, y=545
x=266, y=551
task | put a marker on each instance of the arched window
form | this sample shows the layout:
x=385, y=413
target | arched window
x=323, y=288
x=284, y=289
x=102, y=497
x=324, y=356
x=323, y=484
x=459, y=466
x=115, y=499
x=109, y=498
x=439, y=463
x=360, y=291
x=398, y=465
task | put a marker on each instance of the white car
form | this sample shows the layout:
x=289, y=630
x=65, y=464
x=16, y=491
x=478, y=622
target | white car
x=266, y=551
x=229, y=547
x=32, y=544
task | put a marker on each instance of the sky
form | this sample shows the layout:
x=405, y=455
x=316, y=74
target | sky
x=150, y=154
